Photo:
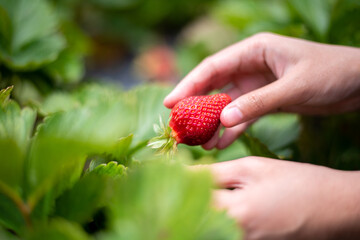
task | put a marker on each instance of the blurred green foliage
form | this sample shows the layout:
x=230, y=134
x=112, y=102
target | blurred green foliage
x=39, y=49
x=138, y=22
x=51, y=196
x=25, y=45
x=328, y=21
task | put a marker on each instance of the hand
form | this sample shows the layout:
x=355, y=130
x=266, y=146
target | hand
x=267, y=73
x=275, y=199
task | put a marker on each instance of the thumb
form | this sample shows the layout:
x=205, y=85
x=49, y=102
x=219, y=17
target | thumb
x=257, y=103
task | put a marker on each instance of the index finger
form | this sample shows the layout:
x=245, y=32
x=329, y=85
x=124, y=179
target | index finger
x=227, y=174
x=217, y=70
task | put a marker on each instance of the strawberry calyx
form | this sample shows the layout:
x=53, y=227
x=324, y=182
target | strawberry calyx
x=193, y=121
x=165, y=141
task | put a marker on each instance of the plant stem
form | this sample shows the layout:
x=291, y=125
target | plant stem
x=138, y=147
x=20, y=204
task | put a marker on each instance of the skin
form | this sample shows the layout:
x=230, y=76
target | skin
x=265, y=73
x=275, y=199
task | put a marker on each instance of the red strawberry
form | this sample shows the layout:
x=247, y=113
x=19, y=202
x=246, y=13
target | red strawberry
x=194, y=120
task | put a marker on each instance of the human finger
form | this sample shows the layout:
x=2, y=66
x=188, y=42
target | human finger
x=225, y=174
x=213, y=141
x=231, y=134
x=216, y=71
x=222, y=199
x=229, y=174
x=256, y=103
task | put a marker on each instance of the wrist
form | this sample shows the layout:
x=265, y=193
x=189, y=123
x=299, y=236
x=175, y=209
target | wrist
x=354, y=67
x=342, y=216
x=351, y=206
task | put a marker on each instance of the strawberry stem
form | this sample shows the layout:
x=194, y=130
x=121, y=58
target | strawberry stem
x=164, y=142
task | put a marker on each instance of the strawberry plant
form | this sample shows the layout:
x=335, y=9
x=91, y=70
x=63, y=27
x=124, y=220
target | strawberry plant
x=46, y=190
x=77, y=167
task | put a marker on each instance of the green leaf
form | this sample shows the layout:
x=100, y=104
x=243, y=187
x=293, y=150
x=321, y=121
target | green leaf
x=149, y=106
x=122, y=147
x=219, y=226
x=57, y=102
x=58, y=229
x=89, y=95
x=41, y=211
x=120, y=153
x=250, y=17
x=34, y=54
x=65, y=139
x=79, y=203
x=112, y=169
x=315, y=14
x=5, y=28
x=10, y=216
x=255, y=147
x=237, y=149
x=277, y=131
x=43, y=206
x=28, y=91
x=25, y=16
x=32, y=39
x=16, y=127
x=69, y=66
x=344, y=27
x=95, y=94
x=174, y=200
x=246, y=13
x=5, y=95
x=114, y=4
x=96, y=161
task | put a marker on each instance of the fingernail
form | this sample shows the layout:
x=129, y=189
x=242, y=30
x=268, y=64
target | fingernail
x=232, y=116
